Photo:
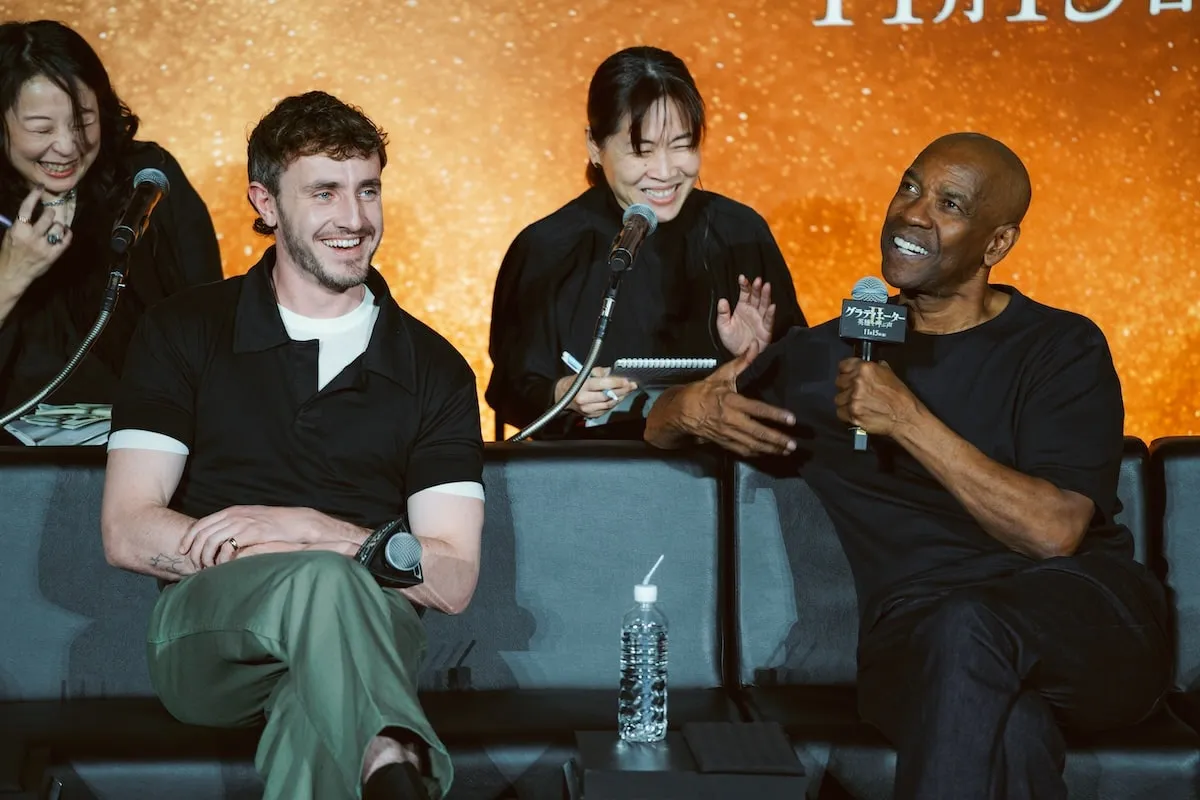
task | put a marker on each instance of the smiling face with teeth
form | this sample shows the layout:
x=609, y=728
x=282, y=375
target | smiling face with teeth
x=956, y=214
x=658, y=170
x=44, y=145
x=328, y=218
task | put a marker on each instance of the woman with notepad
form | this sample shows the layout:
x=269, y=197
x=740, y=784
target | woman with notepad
x=708, y=282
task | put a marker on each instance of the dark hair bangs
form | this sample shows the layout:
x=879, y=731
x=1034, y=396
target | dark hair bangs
x=652, y=90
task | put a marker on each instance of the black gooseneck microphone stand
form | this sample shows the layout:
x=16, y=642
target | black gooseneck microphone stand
x=638, y=222
x=116, y=282
x=610, y=300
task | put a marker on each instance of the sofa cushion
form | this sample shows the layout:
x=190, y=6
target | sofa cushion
x=571, y=527
x=797, y=637
x=1176, y=472
x=72, y=625
x=795, y=603
x=562, y=520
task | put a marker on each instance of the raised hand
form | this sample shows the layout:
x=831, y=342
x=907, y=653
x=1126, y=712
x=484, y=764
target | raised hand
x=751, y=320
x=29, y=248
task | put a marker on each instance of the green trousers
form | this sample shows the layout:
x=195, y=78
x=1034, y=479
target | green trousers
x=310, y=642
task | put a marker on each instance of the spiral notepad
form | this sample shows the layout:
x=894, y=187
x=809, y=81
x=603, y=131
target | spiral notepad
x=647, y=372
x=665, y=363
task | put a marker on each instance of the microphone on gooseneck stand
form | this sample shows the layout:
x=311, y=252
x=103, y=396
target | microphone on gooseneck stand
x=149, y=186
x=638, y=223
x=868, y=318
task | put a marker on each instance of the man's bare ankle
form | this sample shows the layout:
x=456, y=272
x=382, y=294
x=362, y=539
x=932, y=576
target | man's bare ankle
x=410, y=754
x=395, y=781
x=385, y=749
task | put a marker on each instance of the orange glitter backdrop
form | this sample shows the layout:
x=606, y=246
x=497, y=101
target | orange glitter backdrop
x=811, y=123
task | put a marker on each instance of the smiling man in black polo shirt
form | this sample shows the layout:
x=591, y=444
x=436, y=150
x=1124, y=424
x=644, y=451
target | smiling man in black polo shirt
x=267, y=424
x=999, y=598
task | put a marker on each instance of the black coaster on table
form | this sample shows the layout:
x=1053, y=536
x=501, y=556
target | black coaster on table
x=607, y=768
x=743, y=748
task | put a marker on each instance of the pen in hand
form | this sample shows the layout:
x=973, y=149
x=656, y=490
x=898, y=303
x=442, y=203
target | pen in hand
x=574, y=365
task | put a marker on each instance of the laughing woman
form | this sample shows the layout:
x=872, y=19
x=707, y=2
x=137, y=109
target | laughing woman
x=67, y=159
x=709, y=282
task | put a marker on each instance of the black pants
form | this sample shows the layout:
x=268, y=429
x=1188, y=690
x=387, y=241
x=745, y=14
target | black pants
x=973, y=685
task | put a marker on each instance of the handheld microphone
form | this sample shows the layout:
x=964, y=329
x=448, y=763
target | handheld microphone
x=403, y=554
x=393, y=555
x=149, y=186
x=868, y=318
x=638, y=222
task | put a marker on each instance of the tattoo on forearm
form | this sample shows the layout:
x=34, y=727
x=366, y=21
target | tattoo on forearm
x=174, y=564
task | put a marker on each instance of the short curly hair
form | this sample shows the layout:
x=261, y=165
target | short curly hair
x=309, y=124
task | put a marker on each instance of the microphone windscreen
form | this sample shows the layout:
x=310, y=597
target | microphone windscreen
x=153, y=176
x=644, y=211
x=869, y=290
x=403, y=552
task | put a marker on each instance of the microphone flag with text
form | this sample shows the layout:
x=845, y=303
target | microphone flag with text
x=868, y=318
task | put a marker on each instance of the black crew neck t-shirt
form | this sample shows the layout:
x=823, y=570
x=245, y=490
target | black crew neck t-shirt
x=1034, y=389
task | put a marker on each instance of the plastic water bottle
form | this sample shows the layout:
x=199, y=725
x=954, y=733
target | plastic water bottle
x=642, y=710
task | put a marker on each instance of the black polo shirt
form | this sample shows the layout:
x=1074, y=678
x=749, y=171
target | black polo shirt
x=213, y=367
